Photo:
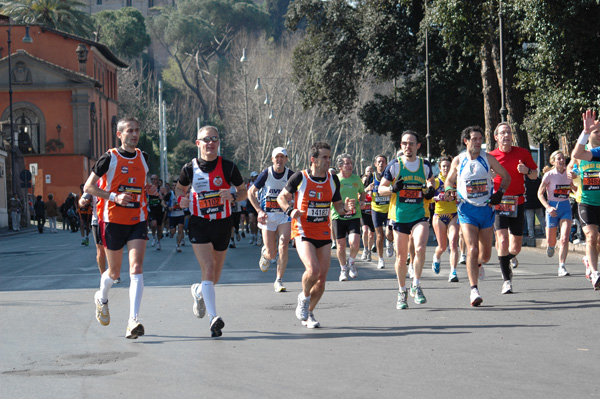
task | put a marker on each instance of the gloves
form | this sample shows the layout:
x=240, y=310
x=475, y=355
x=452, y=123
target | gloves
x=496, y=198
x=429, y=193
x=398, y=185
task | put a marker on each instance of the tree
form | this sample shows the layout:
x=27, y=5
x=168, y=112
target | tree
x=64, y=15
x=123, y=31
x=198, y=34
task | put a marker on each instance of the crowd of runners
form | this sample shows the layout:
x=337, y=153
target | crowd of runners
x=476, y=199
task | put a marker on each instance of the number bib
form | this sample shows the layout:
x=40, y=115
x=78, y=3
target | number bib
x=209, y=202
x=317, y=211
x=591, y=181
x=508, y=207
x=271, y=205
x=136, y=196
x=562, y=191
x=477, y=188
x=381, y=200
x=411, y=194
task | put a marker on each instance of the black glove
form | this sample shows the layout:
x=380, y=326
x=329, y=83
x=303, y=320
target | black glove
x=496, y=198
x=429, y=193
x=398, y=185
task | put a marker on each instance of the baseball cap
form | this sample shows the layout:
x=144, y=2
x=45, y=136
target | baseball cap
x=279, y=150
x=253, y=174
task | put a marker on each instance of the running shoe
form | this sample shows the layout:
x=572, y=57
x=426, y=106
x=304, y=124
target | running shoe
x=263, y=263
x=550, y=251
x=562, y=271
x=389, y=252
x=417, y=293
x=353, y=273
x=402, y=302
x=199, y=307
x=364, y=255
x=368, y=256
x=232, y=244
x=435, y=266
x=87, y=241
x=83, y=241
x=411, y=271
x=278, y=286
x=476, y=299
x=453, y=276
x=588, y=269
x=463, y=259
x=381, y=263
x=333, y=246
x=311, y=322
x=178, y=248
x=118, y=280
x=243, y=234
x=102, y=314
x=374, y=248
x=408, y=260
x=596, y=281
x=302, y=308
x=481, y=272
x=183, y=242
x=237, y=236
x=344, y=274
x=216, y=325
x=158, y=245
x=507, y=287
x=153, y=241
x=514, y=263
x=251, y=242
x=134, y=329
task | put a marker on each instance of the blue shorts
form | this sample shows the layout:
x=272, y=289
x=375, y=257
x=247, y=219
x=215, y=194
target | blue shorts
x=379, y=218
x=481, y=217
x=563, y=211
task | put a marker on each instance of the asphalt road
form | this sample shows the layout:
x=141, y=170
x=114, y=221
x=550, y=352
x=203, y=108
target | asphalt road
x=540, y=342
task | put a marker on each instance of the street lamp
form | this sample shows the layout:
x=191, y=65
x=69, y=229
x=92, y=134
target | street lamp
x=503, y=110
x=58, y=129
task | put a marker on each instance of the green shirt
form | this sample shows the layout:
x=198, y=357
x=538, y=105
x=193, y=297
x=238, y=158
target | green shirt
x=349, y=188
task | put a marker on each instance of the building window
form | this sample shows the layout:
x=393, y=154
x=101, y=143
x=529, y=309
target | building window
x=98, y=2
x=128, y=3
x=28, y=132
x=150, y=3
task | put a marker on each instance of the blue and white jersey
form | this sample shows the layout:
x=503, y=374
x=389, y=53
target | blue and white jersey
x=269, y=186
x=474, y=179
x=177, y=211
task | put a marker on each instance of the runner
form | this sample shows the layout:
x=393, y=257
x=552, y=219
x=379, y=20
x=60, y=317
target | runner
x=557, y=186
x=510, y=214
x=123, y=213
x=209, y=200
x=275, y=225
x=314, y=190
x=176, y=220
x=471, y=173
x=366, y=219
x=445, y=223
x=156, y=213
x=348, y=225
x=589, y=208
x=408, y=180
x=252, y=214
x=85, y=218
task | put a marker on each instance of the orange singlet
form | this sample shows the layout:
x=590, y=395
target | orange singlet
x=314, y=198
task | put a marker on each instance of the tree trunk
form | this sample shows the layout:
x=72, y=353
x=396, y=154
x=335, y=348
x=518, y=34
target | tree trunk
x=491, y=98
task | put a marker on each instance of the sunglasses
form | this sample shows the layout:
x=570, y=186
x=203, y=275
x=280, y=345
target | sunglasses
x=207, y=139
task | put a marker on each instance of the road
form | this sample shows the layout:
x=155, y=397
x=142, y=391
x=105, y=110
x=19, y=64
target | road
x=539, y=342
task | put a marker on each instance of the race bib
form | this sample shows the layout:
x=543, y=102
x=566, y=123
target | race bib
x=562, y=191
x=591, y=181
x=271, y=205
x=209, y=202
x=317, y=211
x=508, y=207
x=381, y=200
x=411, y=194
x=134, y=192
x=477, y=188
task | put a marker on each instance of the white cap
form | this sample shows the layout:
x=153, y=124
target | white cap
x=253, y=174
x=279, y=150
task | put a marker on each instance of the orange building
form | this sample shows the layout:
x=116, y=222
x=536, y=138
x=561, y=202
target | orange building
x=64, y=107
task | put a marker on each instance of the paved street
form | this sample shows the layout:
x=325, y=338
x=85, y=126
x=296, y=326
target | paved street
x=540, y=342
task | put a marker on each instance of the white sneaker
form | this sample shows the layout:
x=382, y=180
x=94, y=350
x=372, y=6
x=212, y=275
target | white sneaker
x=389, y=252
x=550, y=251
x=311, y=322
x=102, y=313
x=302, y=308
x=158, y=245
x=368, y=256
x=278, y=286
x=263, y=263
x=562, y=271
x=199, y=307
x=507, y=287
x=134, y=329
x=364, y=255
x=353, y=273
x=344, y=274
x=514, y=263
x=153, y=241
x=481, y=272
x=476, y=299
x=463, y=259
x=411, y=271
x=381, y=263
x=178, y=248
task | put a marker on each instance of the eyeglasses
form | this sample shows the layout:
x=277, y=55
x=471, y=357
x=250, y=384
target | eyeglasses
x=208, y=139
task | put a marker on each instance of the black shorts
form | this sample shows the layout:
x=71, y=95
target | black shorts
x=367, y=220
x=589, y=214
x=406, y=228
x=157, y=214
x=250, y=209
x=514, y=225
x=96, y=234
x=317, y=243
x=85, y=218
x=176, y=220
x=115, y=236
x=205, y=231
x=343, y=227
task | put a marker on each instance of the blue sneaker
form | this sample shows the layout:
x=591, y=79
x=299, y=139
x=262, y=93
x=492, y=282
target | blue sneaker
x=435, y=266
x=453, y=277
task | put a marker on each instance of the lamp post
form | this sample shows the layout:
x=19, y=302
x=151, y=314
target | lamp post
x=58, y=129
x=503, y=110
x=427, y=136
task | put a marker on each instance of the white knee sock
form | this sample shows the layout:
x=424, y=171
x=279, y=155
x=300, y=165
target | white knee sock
x=136, y=289
x=105, y=283
x=208, y=293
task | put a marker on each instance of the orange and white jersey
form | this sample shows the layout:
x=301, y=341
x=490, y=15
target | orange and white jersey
x=314, y=198
x=125, y=175
x=205, y=199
